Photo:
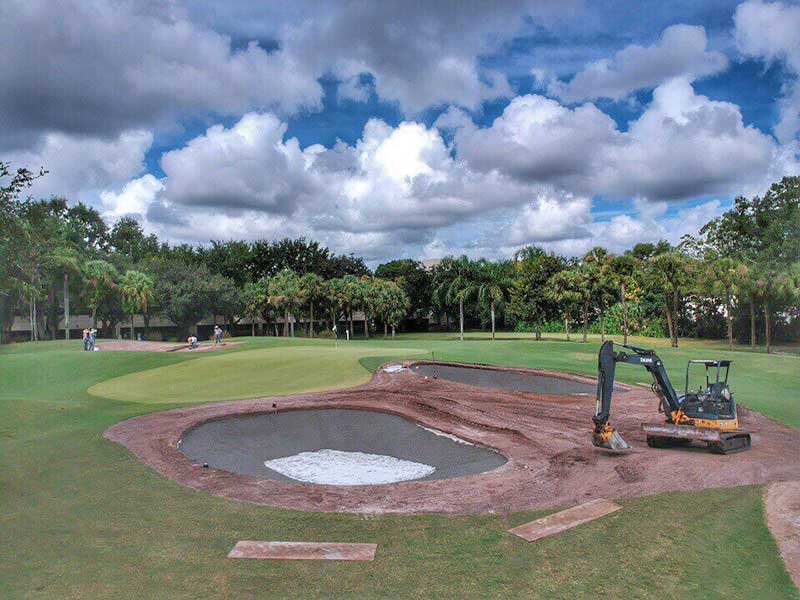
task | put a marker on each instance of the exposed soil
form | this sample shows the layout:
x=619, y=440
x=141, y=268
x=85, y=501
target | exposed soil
x=546, y=438
x=134, y=346
x=783, y=518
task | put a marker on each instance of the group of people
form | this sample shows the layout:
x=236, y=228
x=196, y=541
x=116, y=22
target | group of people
x=89, y=339
x=192, y=339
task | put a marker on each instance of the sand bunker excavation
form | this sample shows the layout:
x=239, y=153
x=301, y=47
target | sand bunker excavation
x=544, y=437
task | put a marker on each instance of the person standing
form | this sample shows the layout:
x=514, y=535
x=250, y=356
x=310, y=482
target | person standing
x=92, y=338
x=217, y=335
x=85, y=340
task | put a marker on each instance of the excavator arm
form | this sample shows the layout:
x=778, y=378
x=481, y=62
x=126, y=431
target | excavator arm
x=606, y=436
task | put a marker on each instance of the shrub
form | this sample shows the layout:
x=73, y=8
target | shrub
x=154, y=336
x=326, y=334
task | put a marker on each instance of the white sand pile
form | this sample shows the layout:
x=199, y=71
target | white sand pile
x=336, y=467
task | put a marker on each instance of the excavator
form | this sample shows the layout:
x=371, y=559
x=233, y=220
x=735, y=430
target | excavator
x=706, y=416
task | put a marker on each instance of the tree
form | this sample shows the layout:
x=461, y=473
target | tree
x=454, y=282
x=100, y=281
x=529, y=301
x=493, y=285
x=129, y=242
x=182, y=291
x=624, y=271
x=396, y=305
x=224, y=297
x=138, y=290
x=598, y=265
x=414, y=279
x=254, y=298
x=284, y=294
x=230, y=259
x=720, y=278
x=311, y=291
x=565, y=289
x=670, y=271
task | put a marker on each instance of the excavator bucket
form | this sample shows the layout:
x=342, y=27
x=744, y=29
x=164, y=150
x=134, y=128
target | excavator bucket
x=719, y=442
x=610, y=439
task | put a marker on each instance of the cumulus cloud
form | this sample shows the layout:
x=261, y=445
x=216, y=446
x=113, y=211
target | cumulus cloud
x=420, y=55
x=683, y=145
x=248, y=166
x=770, y=31
x=681, y=52
x=551, y=218
x=79, y=166
x=96, y=68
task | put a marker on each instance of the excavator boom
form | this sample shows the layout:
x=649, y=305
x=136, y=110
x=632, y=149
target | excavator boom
x=719, y=432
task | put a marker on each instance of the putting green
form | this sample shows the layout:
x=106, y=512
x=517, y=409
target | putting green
x=248, y=374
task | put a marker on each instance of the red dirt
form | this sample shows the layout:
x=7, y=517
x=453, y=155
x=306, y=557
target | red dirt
x=133, y=346
x=783, y=519
x=547, y=440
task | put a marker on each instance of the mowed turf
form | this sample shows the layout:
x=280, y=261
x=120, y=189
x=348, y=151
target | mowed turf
x=247, y=374
x=82, y=518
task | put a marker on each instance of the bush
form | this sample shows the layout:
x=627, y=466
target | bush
x=154, y=336
x=326, y=334
x=226, y=335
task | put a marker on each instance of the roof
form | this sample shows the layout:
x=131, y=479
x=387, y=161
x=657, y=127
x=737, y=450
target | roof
x=712, y=363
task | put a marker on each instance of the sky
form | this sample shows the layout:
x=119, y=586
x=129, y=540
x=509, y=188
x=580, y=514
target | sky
x=395, y=129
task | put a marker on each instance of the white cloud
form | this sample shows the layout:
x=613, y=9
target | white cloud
x=97, y=67
x=551, y=218
x=683, y=145
x=681, y=52
x=134, y=199
x=770, y=31
x=79, y=166
x=248, y=166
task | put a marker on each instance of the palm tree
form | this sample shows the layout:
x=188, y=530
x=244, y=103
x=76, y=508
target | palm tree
x=254, y=299
x=138, y=291
x=564, y=288
x=100, y=279
x=493, y=286
x=670, y=271
x=601, y=277
x=624, y=269
x=311, y=289
x=720, y=278
x=457, y=282
x=284, y=292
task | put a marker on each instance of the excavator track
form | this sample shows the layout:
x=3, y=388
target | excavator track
x=719, y=442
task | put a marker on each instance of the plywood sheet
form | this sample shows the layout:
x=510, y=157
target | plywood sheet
x=302, y=551
x=566, y=519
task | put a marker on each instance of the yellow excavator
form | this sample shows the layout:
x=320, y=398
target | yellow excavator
x=706, y=416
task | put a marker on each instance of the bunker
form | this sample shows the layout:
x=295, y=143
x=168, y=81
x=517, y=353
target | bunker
x=334, y=447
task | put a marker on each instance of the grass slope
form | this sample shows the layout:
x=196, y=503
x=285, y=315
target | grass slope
x=250, y=374
x=83, y=518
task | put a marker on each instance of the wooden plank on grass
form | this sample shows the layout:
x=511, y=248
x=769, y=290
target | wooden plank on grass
x=566, y=519
x=302, y=551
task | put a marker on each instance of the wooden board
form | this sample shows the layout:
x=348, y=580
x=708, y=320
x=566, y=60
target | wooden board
x=302, y=551
x=566, y=519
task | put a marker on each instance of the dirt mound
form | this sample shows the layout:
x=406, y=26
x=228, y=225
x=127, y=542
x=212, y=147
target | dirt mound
x=547, y=440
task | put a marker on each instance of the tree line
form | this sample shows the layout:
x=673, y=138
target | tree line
x=739, y=278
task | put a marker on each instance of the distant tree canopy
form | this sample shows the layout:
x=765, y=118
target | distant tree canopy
x=739, y=278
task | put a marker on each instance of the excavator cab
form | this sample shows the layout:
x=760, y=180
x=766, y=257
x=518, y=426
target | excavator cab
x=712, y=401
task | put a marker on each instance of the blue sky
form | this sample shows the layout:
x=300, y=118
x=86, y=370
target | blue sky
x=404, y=129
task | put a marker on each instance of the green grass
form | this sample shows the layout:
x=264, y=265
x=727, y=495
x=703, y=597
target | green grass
x=228, y=376
x=82, y=518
